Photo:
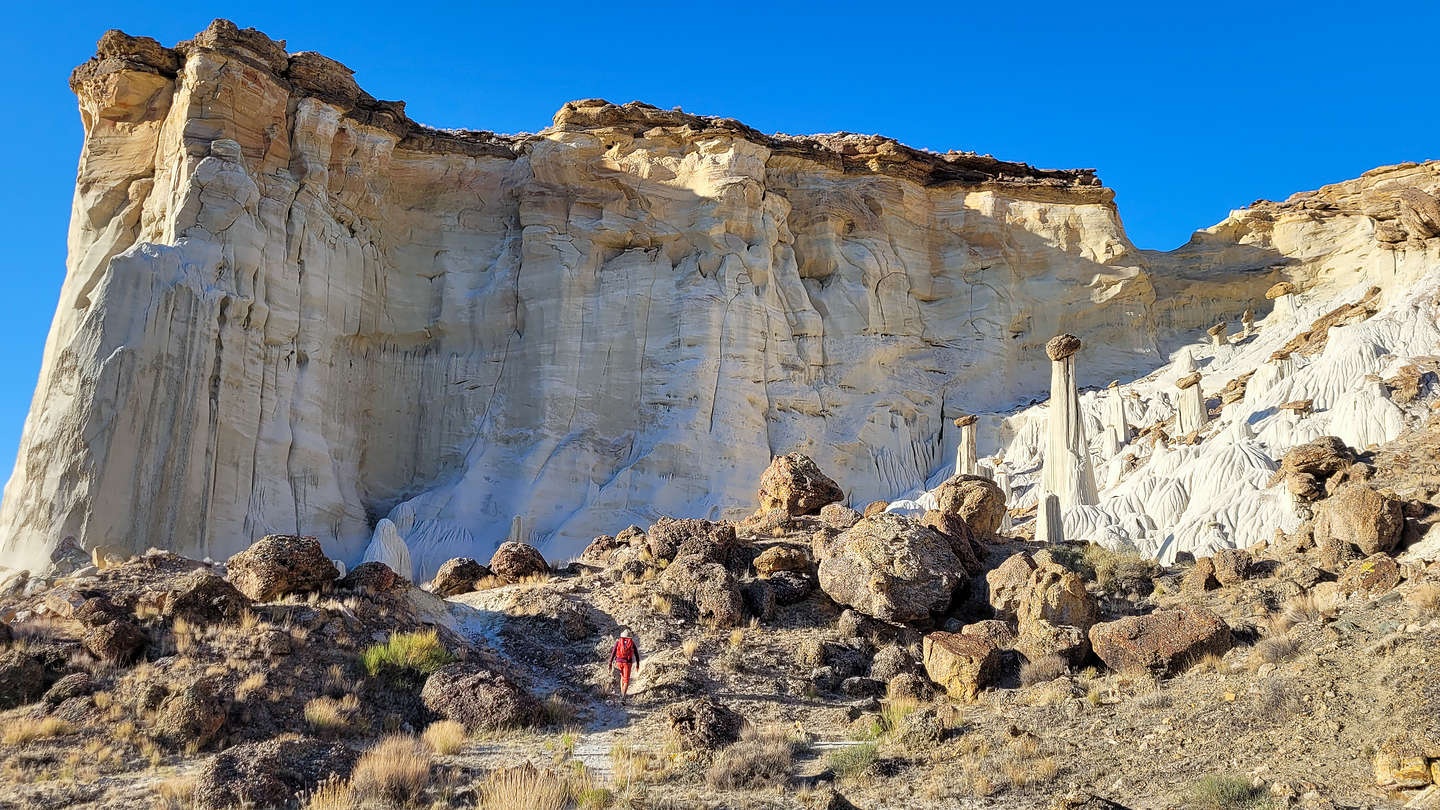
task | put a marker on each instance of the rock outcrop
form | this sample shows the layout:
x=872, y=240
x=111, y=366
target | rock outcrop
x=891, y=567
x=289, y=309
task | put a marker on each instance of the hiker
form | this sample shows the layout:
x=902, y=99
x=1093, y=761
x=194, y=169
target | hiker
x=623, y=657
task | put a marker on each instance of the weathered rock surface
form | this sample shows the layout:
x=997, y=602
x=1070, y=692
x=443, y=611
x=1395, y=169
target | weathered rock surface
x=708, y=586
x=269, y=773
x=513, y=561
x=961, y=664
x=973, y=499
x=458, y=576
x=484, y=321
x=280, y=564
x=703, y=724
x=794, y=483
x=1166, y=641
x=1358, y=516
x=479, y=699
x=893, y=568
x=670, y=538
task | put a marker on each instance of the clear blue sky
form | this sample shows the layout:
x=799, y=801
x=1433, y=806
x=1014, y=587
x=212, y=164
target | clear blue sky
x=1187, y=110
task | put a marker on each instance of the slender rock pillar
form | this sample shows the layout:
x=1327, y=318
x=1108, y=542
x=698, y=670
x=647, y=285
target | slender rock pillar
x=1217, y=335
x=1247, y=323
x=1115, y=417
x=1002, y=480
x=1185, y=361
x=1190, y=413
x=1068, y=472
x=965, y=459
x=1283, y=294
x=1049, y=528
x=1267, y=376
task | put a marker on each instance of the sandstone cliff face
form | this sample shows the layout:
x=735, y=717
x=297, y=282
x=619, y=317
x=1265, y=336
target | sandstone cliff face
x=290, y=309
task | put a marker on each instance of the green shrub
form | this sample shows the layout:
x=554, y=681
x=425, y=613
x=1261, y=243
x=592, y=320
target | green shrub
x=407, y=656
x=1221, y=792
x=854, y=760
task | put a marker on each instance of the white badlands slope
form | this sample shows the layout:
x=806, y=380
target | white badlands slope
x=289, y=308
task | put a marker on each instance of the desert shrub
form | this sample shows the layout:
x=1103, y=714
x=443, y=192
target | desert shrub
x=1277, y=700
x=689, y=647
x=444, y=736
x=894, y=712
x=1307, y=608
x=27, y=729
x=1124, y=571
x=1222, y=792
x=407, y=655
x=328, y=716
x=559, y=712
x=1273, y=650
x=175, y=793
x=758, y=759
x=523, y=788
x=1046, y=668
x=854, y=760
x=396, y=770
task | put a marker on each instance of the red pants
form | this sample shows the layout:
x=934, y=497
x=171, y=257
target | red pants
x=624, y=675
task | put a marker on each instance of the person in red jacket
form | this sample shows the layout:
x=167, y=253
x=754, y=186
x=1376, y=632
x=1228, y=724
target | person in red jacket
x=625, y=656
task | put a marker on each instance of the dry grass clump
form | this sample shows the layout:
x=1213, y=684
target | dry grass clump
x=630, y=766
x=894, y=712
x=407, y=655
x=524, y=788
x=328, y=716
x=689, y=647
x=737, y=638
x=1273, y=650
x=1307, y=607
x=1120, y=571
x=25, y=730
x=1219, y=792
x=855, y=761
x=1046, y=668
x=396, y=770
x=559, y=712
x=444, y=736
x=175, y=793
x=758, y=759
x=251, y=685
x=662, y=604
x=1277, y=700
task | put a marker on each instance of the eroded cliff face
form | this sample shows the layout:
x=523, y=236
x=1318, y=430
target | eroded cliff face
x=289, y=308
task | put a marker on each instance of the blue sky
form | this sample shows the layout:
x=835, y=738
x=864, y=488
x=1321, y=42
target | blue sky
x=1187, y=112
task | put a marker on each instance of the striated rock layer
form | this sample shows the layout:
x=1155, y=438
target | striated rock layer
x=290, y=309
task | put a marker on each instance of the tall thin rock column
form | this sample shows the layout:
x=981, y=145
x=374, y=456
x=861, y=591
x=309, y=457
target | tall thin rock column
x=1049, y=528
x=1115, y=417
x=1283, y=294
x=1002, y=480
x=1217, y=335
x=1068, y=473
x=966, y=462
x=1190, y=413
x=1247, y=323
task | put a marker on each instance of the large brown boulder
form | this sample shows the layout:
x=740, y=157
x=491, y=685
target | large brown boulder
x=599, y=551
x=1359, y=516
x=962, y=539
x=513, y=561
x=1166, y=641
x=707, y=585
x=458, y=576
x=269, y=773
x=977, y=501
x=278, y=564
x=204, y=598
x=676, y=537
x=1304, y=468
x=1009, y=582
x=781, y=558
x=962, y=665
x=1232, y=566
x=1058, y=596
x=480, y=699
x=190, y=716
x=372, y=577
x=795, y=484
x=703, y=724
x=22, y=678
x=115, y=642
x=893, y=568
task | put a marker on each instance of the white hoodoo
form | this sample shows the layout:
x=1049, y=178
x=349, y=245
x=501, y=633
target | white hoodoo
x=1190, y=413
x=966, y=462
x=1068, y=471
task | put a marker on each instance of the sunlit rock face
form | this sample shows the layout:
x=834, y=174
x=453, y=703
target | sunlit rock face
x=290, y=309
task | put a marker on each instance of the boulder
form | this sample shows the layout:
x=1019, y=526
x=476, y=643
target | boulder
x=995, y=631
x=371, y=577
x=1166, y=641
x=480, y=699
x=791, y=587
x=875, y=508
x=1058, y=596
x=795, y=484
x=600, y=549
x=279, y=564
x=962, y=665
x=1039, y=638
x=270, y=773
x=1401, y=765
x=1305, y=467
x=1371, y=576
x=76, y=684
x=1358, y=516
x=1200, y=578
x=892, y=661
x=204, y=598
x=708, y=586
x=115, y=642
x=514, y=561
x=1232, y=566
x=781, y=558
x=839, y=516
x=703, y=724
x=962, y=539
x=190, y=716
x=759, y=598
x=977, y=501
x=22, y=678
x=909, y=686
x=458, y=576
x=99, y=610
x=1008, y=583
x=893, y=568
x=670, y=538
x=921, y=729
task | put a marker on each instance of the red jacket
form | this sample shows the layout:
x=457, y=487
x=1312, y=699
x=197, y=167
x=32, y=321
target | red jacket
x=625, y=651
